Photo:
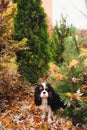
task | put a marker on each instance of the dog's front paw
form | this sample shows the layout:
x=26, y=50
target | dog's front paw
x=43, y=116
x=50, y=121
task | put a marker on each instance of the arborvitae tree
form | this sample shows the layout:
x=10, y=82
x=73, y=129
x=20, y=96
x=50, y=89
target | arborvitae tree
x=30, y=22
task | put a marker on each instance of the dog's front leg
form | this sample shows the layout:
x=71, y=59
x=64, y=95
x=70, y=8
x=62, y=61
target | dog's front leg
x=50, y=116
x=43, y=116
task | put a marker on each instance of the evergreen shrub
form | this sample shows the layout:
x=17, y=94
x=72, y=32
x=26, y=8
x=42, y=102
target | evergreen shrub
x=71, y=87
x=60, y=32
x=30, y=22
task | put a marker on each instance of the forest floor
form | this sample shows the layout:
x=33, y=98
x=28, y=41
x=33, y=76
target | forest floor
x=20, y=113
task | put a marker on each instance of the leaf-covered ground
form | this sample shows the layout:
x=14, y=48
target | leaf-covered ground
x=21, y=114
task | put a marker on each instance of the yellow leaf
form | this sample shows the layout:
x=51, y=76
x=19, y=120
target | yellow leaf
x=69, y=125
x=84, y=50
x=70, y=95
x=23, y=42
x=73, y=63
x=81, y=55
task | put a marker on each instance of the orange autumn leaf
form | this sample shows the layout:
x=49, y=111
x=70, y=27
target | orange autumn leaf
x=1, y=117
x=7, y=120
x=73, y=63
x=37, y=119
x=9, y=128
x=59, y=76
x=83, y=89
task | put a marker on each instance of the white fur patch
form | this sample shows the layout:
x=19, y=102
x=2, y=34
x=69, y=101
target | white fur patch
x=44, y=84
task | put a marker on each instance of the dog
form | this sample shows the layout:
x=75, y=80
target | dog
x=48, y=101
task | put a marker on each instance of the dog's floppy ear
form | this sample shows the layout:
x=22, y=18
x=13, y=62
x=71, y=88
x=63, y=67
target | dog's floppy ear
x=51, y=91
x=37, y=98
x=54, y=99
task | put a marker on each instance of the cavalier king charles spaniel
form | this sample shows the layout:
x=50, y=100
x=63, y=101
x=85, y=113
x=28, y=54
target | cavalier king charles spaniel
x=48, y=100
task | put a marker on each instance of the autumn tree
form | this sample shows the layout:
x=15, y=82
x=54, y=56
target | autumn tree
x=30, y=22
x=8, y=73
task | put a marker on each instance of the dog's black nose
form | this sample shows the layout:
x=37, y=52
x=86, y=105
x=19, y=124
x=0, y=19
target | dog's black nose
x=44, y=92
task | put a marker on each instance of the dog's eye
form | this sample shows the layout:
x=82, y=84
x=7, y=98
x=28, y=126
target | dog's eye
x=46, y=89
x=41, y=88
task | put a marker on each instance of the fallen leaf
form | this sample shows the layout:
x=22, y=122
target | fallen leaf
x=7, y=121
x=9, y=129
x=37, y=119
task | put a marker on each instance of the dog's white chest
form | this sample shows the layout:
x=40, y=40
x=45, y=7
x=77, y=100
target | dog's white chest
x=44, y=106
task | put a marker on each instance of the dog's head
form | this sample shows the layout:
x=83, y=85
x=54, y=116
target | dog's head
x=43, y=90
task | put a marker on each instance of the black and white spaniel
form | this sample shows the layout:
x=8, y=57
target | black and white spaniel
x=47, y=99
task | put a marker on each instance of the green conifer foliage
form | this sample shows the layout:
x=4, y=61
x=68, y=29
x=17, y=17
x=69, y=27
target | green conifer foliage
x=71, y=87
x=60, y=33
x=30, y=22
